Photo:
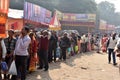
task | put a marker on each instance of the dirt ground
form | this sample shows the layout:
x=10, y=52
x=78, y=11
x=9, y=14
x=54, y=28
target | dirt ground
x=86, y=66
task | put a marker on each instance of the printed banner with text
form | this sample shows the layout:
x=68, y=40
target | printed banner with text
x=79, y=17
x=35, y=13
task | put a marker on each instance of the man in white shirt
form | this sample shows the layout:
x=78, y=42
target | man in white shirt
x=112, y=43
x=21, y=52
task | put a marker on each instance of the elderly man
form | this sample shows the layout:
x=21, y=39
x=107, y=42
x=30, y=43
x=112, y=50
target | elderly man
x=43, y=50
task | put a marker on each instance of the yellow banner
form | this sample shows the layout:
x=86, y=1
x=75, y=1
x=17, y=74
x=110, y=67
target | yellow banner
x=92, y=17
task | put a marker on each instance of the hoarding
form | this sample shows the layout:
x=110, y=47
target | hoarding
x=103, y=25
x=36, y=13
x=79, y=17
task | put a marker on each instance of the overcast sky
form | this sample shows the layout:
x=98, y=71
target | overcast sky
x=116, y=2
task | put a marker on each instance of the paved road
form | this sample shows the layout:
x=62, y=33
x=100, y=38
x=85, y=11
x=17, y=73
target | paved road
x=87, y=66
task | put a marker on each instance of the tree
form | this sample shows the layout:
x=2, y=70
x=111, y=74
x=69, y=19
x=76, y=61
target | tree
x=107, y=12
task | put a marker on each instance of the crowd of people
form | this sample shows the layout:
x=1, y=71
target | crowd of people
x=33, y=50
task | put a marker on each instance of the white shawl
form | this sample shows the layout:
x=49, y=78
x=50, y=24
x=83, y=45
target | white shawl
x=4, y=51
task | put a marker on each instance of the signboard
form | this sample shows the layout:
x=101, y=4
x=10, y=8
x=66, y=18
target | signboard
x=36, y=13
x=91, y=17
x=102, y=25
x=110, y=27
x=69, y=17
x=13, y=13
x=79, y=17
x=75, y=23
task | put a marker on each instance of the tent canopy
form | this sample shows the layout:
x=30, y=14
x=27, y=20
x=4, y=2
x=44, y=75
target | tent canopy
x=54, y=23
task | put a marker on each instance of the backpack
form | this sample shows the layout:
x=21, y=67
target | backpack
x=4, y=66
x=62, y=43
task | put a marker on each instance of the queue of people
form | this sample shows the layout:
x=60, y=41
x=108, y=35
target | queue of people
x=35, y=50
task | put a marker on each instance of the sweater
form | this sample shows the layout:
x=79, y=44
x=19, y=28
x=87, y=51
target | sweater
x=43, y=43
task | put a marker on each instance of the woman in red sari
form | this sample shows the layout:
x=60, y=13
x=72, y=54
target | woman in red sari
x=33, y=53
x=104, y=43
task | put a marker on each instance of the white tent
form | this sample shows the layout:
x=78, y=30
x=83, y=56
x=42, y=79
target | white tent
x=54, y=23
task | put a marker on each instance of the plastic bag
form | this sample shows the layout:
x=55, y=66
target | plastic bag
x=13, y=69
x=58, y=52
x=76, y=48
x=69, y=50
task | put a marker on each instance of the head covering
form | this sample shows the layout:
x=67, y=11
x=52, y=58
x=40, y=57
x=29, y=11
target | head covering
x=11, y=30
x=65, y=33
